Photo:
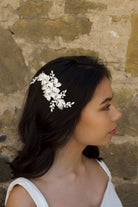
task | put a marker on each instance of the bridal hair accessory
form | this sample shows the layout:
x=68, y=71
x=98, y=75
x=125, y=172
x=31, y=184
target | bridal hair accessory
x=50, y=87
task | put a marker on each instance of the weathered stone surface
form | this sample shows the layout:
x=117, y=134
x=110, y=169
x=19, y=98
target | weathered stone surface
x=31, y=9
x=3, y=138
x=8, y=121
x=7, y=16
x=82, y=6
x=119, y=18
x=121, y=159
x=5, y=172
x=68, y=27
x=128, y=194
x=0, y=125
x=50, y=54
x=128, y=105
x=11, y=3
x=12, y=67
x=2, y=196
x=12, y=102
x=132, y=50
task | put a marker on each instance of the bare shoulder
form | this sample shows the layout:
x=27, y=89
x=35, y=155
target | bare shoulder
x=20, y=197
x=92, y=163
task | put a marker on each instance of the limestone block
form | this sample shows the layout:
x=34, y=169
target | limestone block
x=8, y=123
x=116, y=19
x=7, y=16
x=68, y=27
x=128, y=105
x=31, y=9
x=82, y=6
x=50, y=54
x=12, y=67
x=5, y=172
x=3, y=138
x=121, y=159
x=12, y=3
x=128, y=194
x=2, y=196
x=12, y=102
x=132, y=50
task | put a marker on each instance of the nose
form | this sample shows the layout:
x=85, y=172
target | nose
x=116, y=114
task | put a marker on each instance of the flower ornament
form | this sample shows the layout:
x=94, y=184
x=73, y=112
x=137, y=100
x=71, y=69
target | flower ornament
x=50, y=87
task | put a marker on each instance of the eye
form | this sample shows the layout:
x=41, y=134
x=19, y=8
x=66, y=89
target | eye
x=107, y=107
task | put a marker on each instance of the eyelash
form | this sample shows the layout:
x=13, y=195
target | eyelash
x=107, y=107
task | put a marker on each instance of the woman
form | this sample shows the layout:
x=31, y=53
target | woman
x=68, y=113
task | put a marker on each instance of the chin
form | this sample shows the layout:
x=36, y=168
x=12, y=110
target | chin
x=106, y=142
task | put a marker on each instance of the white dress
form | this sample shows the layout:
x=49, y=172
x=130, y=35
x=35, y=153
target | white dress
x=110, y=198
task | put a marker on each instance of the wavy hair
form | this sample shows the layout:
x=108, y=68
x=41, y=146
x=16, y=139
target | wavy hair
x=42, y=131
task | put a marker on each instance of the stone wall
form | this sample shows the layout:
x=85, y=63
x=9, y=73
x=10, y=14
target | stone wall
x=32, y=32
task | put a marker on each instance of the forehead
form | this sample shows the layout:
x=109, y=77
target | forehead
x=102, y=91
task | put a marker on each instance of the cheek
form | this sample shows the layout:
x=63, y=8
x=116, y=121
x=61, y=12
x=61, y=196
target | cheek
x=93, y=120
x=93, y=125
x=87, y=126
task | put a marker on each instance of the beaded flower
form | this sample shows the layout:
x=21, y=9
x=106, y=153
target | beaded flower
x=50, y=87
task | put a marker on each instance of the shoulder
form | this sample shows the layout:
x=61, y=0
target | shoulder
x=104, y=167
x=99, y=164
x=19, y=197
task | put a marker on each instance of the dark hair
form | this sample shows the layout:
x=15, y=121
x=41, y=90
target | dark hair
x=43, y=131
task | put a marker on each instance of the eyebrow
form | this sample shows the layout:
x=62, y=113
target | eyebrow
x=107, y=99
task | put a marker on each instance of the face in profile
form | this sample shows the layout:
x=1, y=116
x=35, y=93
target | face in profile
x=98, y=119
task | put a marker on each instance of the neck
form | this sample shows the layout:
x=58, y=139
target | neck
x=68, y=159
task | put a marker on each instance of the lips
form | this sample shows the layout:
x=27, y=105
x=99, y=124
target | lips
x=113, y=131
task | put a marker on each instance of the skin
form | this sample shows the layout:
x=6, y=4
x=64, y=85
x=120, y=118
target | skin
x=98, y=119
x=72, y=175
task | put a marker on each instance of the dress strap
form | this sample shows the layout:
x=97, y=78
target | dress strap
x=31, y=188
x=105, y=168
